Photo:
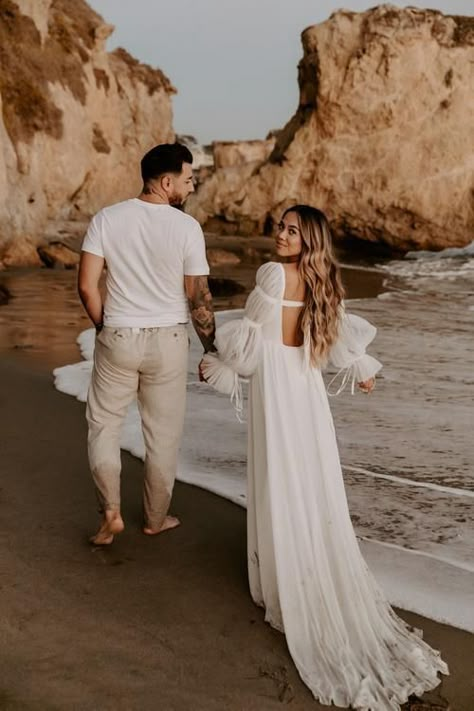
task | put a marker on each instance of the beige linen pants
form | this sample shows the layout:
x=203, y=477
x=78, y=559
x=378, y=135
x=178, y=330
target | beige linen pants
x=151, y=365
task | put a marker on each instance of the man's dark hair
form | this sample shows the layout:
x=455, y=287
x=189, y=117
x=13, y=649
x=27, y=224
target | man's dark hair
x=165, y=158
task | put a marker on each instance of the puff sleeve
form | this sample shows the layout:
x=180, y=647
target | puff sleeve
x=239, y=342
x=348, y=353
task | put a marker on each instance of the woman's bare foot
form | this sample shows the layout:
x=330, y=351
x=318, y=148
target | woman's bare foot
x=111, y=525
x=169, y=522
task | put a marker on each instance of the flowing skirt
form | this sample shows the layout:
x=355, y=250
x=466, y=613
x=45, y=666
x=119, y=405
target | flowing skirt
x=305, y=566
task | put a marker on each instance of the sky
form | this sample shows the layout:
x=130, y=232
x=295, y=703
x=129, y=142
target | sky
x=234, y=62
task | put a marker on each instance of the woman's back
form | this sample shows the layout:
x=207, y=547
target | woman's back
x=292, y=305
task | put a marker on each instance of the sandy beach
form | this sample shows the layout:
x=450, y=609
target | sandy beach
x=149, y=623
x=168, y=622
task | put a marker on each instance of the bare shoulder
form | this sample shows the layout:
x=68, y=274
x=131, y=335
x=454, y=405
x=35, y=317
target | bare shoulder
x=290, y=271
x=295, y=288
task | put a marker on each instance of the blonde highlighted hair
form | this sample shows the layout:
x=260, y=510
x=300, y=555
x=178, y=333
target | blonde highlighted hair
x=320, y=316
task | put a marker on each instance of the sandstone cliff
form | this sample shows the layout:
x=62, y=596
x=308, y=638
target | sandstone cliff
x=231, y=153
x=383, y=137
x=75, y=119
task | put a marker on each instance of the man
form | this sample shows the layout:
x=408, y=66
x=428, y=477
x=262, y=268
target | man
x=156, y=269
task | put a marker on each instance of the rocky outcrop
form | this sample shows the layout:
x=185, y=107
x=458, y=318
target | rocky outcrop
x=230, y=153
x=4, y=294
x=203, y=160
x=222, y=257
x=225, y=287
x=75, y=119
x=58, y=255
x=20, y=252
x=202, y=154
x=382, y=139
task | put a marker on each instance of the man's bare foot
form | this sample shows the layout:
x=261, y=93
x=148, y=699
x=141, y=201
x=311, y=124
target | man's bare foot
x=111, y=525
x=169, y=522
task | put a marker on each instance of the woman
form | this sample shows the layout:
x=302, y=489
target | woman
x=305, y=567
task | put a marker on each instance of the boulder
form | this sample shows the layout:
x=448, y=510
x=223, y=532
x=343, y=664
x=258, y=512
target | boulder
x=58, y=255
x=225, y=287
x=4, y=295
x=221, y=257
x=20, y=252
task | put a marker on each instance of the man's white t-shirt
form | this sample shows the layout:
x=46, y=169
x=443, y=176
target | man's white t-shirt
x=148, y=250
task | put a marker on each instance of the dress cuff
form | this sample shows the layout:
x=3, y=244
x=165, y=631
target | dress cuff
x=224, y=380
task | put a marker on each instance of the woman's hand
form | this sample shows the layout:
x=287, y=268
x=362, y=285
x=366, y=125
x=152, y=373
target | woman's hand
x=367, y=385
x=202, y=378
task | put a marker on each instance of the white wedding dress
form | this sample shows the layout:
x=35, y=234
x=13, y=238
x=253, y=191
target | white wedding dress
x=305, y=567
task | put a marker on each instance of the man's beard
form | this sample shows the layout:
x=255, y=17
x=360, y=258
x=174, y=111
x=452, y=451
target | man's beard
x=176, y=200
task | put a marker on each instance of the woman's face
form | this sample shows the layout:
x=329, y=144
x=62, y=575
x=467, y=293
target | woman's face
x=288, y=239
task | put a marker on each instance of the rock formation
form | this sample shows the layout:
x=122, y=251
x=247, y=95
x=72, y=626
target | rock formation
x=203, y=160
x=230, y=153
x=202, y=154
x=56, y=255
x=75, y=119
x=382, y=140
x=222, y=257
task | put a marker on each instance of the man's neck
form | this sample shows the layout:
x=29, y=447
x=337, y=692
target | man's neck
x=154, y=198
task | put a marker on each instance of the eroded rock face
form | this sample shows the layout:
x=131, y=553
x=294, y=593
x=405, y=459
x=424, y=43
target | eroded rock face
x=75, y=119
x=232, y=153
x=383, y=138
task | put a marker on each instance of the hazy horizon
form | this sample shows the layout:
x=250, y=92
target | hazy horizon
x=234, y=65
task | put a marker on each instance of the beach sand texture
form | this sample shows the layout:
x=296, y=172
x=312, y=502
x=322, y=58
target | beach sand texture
x=170, y=619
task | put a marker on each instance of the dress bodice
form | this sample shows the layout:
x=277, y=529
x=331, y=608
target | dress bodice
x=265, y=303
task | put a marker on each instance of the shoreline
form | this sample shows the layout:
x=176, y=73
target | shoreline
x=432, y=580
x=168, y=618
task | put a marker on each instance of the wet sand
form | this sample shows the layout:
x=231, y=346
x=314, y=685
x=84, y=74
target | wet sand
x=153, y=623
x=149, y=623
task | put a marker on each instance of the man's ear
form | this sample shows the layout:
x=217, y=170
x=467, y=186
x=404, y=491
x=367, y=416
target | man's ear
x=166, y=182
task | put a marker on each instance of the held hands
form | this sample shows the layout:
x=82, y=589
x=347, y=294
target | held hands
x=202, y=379
x=367, y=386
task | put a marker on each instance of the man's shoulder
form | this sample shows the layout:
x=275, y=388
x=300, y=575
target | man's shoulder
x=111, y=213
x=187, y=220
x=118, y=208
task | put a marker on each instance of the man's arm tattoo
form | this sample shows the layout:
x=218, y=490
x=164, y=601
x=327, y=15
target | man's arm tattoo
x=202, y=313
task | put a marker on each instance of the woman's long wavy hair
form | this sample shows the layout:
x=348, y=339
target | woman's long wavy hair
x=319, y=320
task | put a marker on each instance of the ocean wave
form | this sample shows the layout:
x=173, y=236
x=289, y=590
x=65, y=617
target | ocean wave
x=435, y=268
x=451, y=269
x=448, y=253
